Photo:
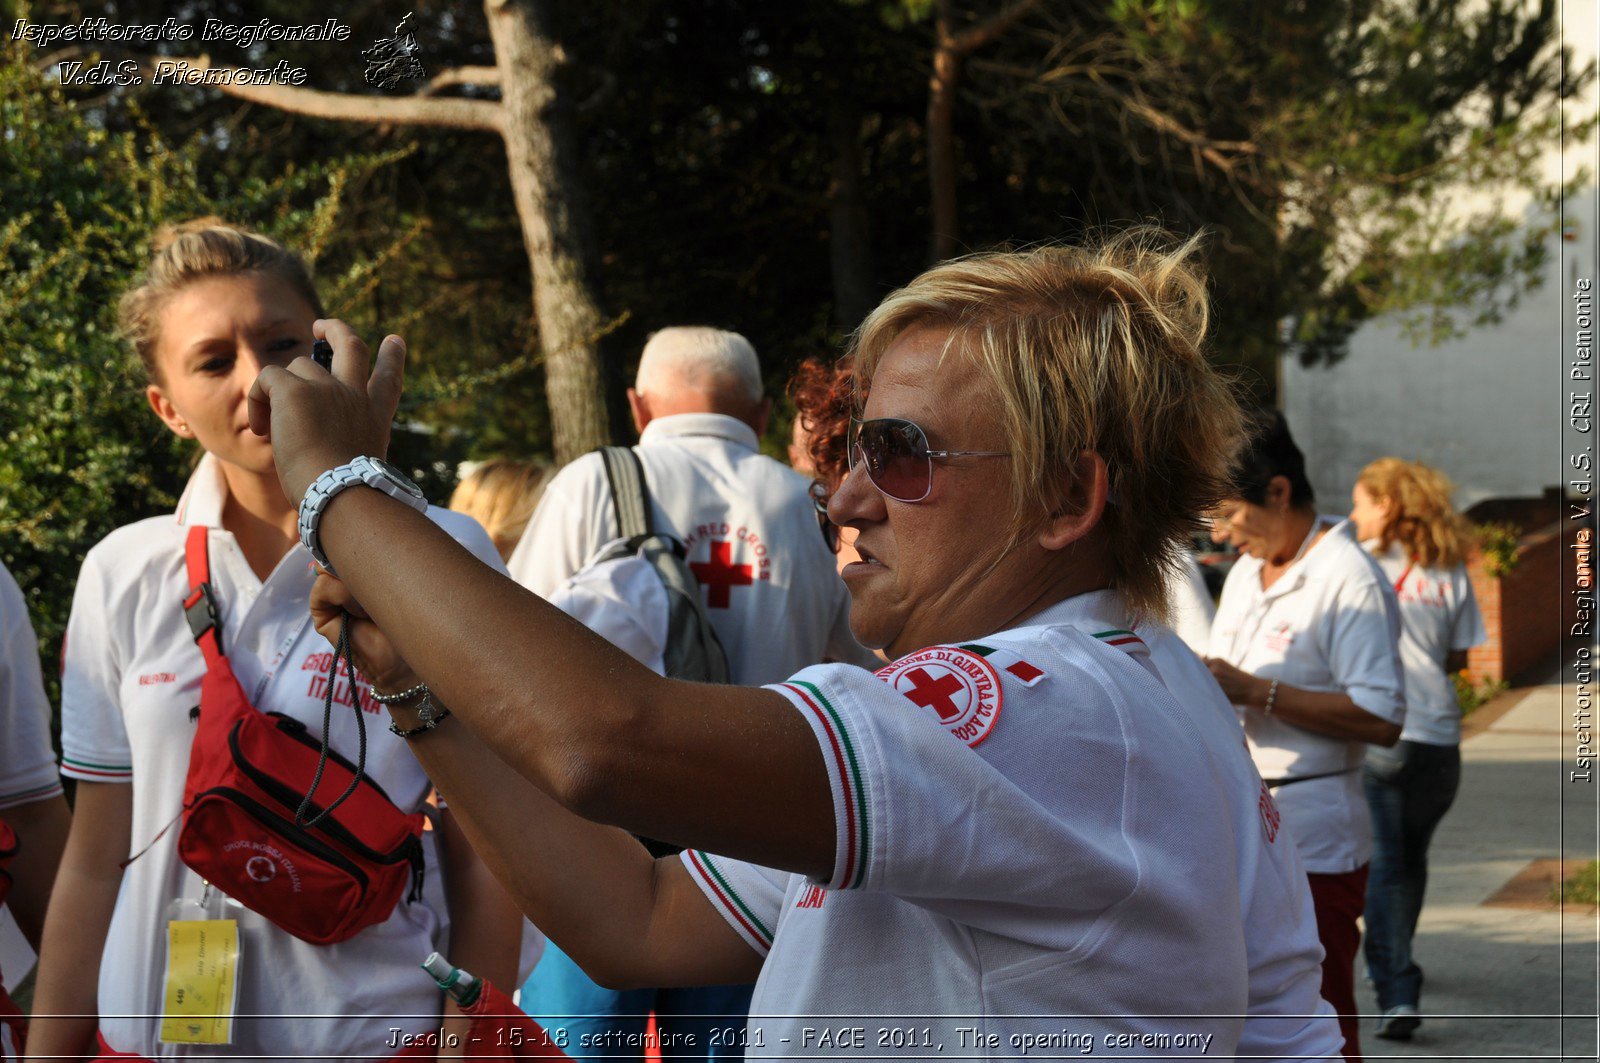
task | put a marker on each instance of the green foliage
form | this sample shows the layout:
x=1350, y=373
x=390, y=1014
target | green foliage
x=80, y=451
x=1582, y=887
x=1473, y=696
x=1500, y=543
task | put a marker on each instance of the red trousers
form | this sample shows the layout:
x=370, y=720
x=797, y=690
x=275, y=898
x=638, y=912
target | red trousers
x=1339, y=901
x=107, y=1054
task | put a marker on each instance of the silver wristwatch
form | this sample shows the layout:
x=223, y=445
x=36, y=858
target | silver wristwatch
x=369, y=472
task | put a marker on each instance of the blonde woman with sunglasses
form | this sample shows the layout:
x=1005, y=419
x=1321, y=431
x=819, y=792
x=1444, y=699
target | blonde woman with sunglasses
x=1013, y=821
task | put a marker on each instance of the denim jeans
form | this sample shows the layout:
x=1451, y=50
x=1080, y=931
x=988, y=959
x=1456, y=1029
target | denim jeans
x=1409, y=788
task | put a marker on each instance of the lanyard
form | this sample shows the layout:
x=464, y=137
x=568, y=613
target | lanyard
x=277, y=659
x=1403, y=576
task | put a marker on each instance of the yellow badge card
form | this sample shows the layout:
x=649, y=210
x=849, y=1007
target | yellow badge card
x=201, y=983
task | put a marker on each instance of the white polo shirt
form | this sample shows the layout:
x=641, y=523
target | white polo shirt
x=1192, y=607
x=771, y=587
x=1438, y=615
x=131, y=675
x=1329, y=623
x=1035, y=840
x=27, y=763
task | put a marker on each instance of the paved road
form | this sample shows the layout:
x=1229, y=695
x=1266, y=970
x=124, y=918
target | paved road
x=1507, y=983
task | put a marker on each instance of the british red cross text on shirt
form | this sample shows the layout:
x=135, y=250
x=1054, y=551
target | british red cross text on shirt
x=761, y=555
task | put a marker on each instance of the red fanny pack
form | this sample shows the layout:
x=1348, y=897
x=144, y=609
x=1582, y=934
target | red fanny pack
x=249, y=772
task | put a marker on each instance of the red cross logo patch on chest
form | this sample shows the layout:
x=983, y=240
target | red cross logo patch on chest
x=959, y=686
x=720, y=575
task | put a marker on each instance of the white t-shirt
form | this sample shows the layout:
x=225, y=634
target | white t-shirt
x=27, y=763
x=1192, y=607
x=1438, y=614
x=1028, y=827
x=771, y=587
x=1329, y=623
x=622, y=600
x=131, y=674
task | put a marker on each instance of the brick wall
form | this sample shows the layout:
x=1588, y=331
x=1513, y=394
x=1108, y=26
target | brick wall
x=1522, y=611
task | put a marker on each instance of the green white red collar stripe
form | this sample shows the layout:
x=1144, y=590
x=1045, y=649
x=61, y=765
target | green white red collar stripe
x=1122, y=639
x=840, y=752
x=750, y=925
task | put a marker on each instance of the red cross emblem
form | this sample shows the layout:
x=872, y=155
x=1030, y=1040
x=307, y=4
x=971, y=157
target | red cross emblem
x=720, y=575
x=962, y=687
x=931, y=693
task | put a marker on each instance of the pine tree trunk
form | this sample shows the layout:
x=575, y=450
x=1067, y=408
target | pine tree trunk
x=849, y=231
x=541, y=151
x=942, y=151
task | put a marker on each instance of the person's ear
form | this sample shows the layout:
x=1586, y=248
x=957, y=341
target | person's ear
x=639, y=406
x=1279, y=492
x=1084, y=502
x=760, y=416
x=167, y=412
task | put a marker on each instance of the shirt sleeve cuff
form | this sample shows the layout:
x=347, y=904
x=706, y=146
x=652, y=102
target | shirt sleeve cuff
x=1380, y=702
x=716, y=881
x=96, y=770
x=24, y=794
x=842, y=753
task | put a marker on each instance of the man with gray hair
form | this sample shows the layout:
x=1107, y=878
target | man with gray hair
x=770, y=587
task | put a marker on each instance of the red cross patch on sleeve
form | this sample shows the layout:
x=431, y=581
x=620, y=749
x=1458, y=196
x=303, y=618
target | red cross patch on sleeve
x=958, y=685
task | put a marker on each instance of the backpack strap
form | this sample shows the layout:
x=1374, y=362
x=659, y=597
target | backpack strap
x=200, y=606
x=630, y=498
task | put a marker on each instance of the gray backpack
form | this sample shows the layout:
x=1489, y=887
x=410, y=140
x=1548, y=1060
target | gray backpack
x=693, y=650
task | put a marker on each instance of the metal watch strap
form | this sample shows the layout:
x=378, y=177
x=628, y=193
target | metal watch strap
x=317, y=497
x=365, y=471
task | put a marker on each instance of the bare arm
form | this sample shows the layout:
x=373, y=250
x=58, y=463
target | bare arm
x=1326, y=713
x=732, y=770
x=1455, y=661
x=485, y=925
x=41, y=828
x=75, y=925
x=657, y=927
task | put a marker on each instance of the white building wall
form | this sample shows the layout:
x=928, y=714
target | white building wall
x=1490, y=409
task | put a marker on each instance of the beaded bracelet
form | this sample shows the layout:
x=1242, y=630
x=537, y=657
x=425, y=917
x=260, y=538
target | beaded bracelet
x=404, y=695
x=428, y=716
x=1272, y=696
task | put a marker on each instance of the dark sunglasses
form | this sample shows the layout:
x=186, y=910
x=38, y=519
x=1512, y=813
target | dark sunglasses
x=895, y=452
x=830, y=530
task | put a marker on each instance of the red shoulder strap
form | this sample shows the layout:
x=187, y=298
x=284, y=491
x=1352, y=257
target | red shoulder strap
x=200, y=606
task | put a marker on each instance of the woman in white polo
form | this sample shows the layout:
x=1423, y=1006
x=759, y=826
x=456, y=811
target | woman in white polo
x=1012, y=840
x=1402, y=514
x=1304, y=644
x=216, y=306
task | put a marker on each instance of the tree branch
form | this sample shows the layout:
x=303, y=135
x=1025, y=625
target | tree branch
x=461, y=75
x=969, y=41
x=338, y=106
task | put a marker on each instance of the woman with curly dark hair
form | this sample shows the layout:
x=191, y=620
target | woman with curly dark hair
x=823, y=395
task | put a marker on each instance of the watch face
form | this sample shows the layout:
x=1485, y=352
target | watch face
x=400, y=479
